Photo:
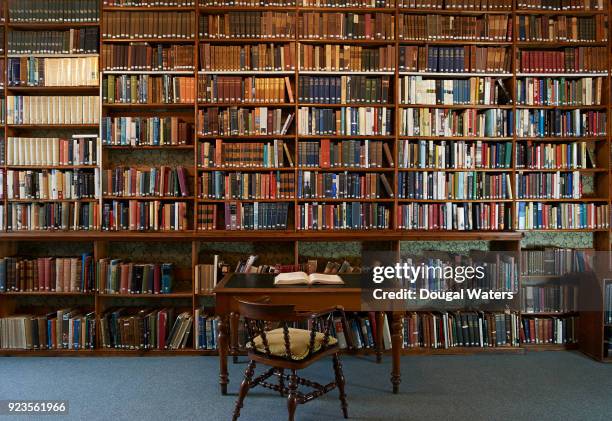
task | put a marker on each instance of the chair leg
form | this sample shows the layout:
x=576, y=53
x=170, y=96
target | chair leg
x=244, y=388
x=281, y=380
x=292, y=399
x=340, y=383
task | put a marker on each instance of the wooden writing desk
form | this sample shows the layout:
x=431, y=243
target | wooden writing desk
x=252, y=286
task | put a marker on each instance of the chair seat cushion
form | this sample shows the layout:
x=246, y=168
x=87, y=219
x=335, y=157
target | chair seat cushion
x=298, y=338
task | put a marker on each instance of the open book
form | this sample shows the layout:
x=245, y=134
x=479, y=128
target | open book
x=300, y=278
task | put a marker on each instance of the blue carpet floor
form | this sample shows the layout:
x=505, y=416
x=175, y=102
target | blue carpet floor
x=536, y=386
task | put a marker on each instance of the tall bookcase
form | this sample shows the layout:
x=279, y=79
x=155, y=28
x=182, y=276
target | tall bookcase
x=104, y=243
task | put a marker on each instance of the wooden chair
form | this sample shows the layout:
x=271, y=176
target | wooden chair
x=272, y=342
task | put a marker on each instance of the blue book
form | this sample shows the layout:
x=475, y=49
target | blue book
x=167, y=277
x=2, y=275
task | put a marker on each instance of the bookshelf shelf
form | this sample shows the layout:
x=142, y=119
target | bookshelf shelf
x=148, y=72
x=151, y=40
x=246, y=169
x=47, y=293
x=161, y=198
x=148, y=147
x=160, y=105
x=54, y=89
x=455, y=75
x=146, y=296
x=453, y=42
x=246, y=40
x=346, y=41
x=345, y=72
x=51, y=55
x=147, y=8
x=566, y=75
x=458, y=106
x=463, y=350
x=559, y=44
x=423, y=10
x=50, y=26
x=33, y=200
x=246, y=104
x=248, y=72
x=52, y=167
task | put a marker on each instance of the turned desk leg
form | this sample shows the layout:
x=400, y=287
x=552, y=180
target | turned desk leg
x=233, y=329
x=396, y=340
x=380, y=319
x=223, y=351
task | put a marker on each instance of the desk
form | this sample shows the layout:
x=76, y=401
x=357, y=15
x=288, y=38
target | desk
x=252, y=286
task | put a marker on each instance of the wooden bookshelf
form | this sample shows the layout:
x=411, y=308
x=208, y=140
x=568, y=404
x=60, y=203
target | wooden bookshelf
x=509, y=237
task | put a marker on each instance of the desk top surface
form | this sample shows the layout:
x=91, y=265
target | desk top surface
x=245, y=281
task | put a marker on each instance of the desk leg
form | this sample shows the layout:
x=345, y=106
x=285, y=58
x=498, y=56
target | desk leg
x=396, y=340
x=223, y=351
x=234, y=319
x=380, y=319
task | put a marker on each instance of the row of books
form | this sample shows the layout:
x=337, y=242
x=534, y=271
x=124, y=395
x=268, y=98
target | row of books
x=454, y=155
x=232, y=89
x=538, y=155
x=493, y=122
x=58, y=109
x=256, y=216
x=549, y=298
x=438, y=185
x=344, y=121
x=337, y=57
x=146, y=131
x=563, y=28
x=164, y=181
x=460, y=329
x=432, y=27
x=235, y=121
x=117, y=276
x=346, y=26
x=205, y=330
x=241, y=25
x=316, y=185
x=145, y=328
x=559, y=91
x=148, y=89
x=148, y=25
x=35, y=71
x=342, y=216
x=70, y=41
x=328, y=153
x=554, y=261
x=143, y=56
x=549, y=330
x=134, y=215
x=257, y=57
x=454, y=216
x=562, y=123
x=558, y=185
x=344, y=89
x=52, y=184
x=219, y=185
x=52, y=151
x=471, y=91
x=363, y=331
x=59, y=11
x=554, y=216
x=221, y=154
x=206, y=276
x=66, y=216
x=567, y=60
x=47, y=274
x=465, y=59
x=66, y=328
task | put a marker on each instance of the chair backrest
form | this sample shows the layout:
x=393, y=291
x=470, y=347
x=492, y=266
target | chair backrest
x=261, y=317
